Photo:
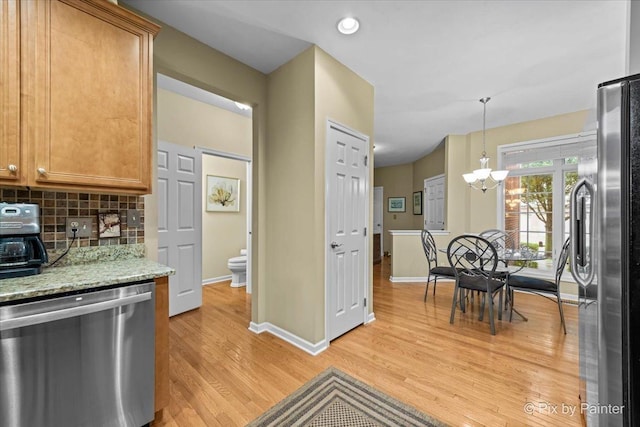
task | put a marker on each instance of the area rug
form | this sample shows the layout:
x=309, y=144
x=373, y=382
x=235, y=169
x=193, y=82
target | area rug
x=333, y=398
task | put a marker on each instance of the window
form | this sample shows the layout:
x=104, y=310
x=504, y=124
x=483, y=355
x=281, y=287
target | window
x=534, y=205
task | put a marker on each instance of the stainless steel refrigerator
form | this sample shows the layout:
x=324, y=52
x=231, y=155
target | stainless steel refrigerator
x=605, y=261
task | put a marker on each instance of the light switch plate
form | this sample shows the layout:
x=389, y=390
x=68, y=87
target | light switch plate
x=83, y=224
x=133, y=218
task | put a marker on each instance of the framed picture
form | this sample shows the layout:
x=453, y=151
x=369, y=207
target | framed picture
x=108, y=224
x=223, y=194
x=417, y=202
x=396, y=204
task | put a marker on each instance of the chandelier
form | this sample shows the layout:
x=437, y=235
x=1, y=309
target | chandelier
x=484, y=178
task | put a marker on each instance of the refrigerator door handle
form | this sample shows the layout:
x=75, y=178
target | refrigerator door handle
x=579, y=257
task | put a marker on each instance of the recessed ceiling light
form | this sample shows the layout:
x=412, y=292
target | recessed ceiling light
x=348, y=25
x=242, y=106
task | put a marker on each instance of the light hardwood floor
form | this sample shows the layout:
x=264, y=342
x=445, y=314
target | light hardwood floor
x=224, y=375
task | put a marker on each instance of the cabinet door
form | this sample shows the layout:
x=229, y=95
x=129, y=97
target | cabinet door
x=91, y=85
x=10, y=153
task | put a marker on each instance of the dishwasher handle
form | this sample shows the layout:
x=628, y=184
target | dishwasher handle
x=50, y=316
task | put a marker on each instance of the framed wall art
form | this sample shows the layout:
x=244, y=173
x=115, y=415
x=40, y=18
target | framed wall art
x=223, y=194
x=417, y=202
x=396, y=204
x=108, y=224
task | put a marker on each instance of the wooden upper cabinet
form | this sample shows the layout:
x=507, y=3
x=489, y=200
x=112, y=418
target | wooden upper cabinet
x=10, y=148
x=87, y=76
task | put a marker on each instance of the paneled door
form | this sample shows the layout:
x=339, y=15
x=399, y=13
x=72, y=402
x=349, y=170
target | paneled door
x=347, y=218
x=434, y=203
x=179, y=224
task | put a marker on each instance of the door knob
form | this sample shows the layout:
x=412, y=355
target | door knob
x=42, y=171
x=335, y=245
x=12, y=168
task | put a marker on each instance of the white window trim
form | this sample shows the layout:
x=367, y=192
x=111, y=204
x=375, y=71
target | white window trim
x=558, y=239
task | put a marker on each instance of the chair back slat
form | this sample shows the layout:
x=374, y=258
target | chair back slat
x=500, y=240
x=472, y=255
x=429, y=246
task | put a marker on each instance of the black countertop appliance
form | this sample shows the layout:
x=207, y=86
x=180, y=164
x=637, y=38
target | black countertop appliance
x=22, y=252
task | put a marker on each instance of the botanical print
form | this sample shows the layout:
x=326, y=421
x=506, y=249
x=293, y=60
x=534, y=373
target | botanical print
x=223, y=194
x=108, y=224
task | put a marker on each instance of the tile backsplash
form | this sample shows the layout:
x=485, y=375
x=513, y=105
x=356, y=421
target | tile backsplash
x=56, y=206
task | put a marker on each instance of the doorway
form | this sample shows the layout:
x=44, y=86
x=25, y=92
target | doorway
x=210, y=126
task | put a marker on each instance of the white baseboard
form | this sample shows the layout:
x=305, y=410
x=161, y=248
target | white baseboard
x=213, y=280
x=397, y=279
x=571, y=298
x=370, y=318
x=401, y=279
x=302, y=344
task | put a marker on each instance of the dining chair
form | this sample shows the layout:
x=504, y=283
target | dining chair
x=542, y=287
x=499, y=239
x=474, y=260
x=435, y=271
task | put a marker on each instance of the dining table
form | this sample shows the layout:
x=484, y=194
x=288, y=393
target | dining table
x=508, y=257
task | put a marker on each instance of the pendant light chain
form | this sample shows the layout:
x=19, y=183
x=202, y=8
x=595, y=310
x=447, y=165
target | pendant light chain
x=484, y=125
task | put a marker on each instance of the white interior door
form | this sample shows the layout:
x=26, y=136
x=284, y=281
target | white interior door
x=347, y=216
x=179, y=224
x=434, y=203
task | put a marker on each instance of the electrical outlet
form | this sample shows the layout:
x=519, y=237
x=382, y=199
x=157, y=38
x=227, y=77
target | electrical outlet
x=82, y=224
x=133, y=218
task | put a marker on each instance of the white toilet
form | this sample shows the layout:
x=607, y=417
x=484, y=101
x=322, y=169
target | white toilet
x=238, y=267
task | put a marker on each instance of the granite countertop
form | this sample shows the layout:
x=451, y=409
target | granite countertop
x=80, y=277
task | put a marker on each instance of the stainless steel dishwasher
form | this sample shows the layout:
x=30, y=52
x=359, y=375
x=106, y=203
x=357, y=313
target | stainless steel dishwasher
x=79, y=360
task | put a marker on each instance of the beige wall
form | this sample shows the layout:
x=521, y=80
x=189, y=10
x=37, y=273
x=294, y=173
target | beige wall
x=302, y=94
x=397, y=181
x=433, y=164
x=408, y=258
x=293, y=296
x=223, y=233
x=192, y=123
x=345, y=98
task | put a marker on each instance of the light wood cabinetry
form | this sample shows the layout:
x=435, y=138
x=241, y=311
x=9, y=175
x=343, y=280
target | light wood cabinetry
x=10, y=149
x=86, y=77
x=162, y=345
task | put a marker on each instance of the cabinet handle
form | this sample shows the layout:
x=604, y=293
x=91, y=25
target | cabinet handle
x=42, y=171
x=13, y=168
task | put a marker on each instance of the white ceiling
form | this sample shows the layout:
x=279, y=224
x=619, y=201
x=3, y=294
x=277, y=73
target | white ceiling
x=429, y=61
